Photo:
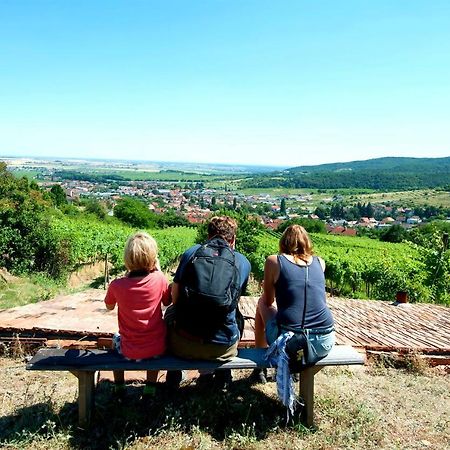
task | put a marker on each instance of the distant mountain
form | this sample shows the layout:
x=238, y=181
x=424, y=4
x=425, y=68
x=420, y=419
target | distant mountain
x=381, y=174
x=397, y=164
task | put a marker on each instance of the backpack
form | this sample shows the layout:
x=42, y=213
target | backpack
x=210, y=289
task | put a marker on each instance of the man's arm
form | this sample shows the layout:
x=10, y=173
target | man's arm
x=175, y=292
x=176, y=286
x=244, y=269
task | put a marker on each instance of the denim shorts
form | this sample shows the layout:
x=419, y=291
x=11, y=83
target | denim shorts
x=322, y=340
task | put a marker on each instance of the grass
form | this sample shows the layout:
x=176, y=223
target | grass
x=360, y=408
x=17, y=291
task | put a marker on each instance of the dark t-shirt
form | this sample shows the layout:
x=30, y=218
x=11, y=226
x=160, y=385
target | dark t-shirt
x=228, y=334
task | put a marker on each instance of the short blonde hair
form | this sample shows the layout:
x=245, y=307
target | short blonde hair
x=296, y=242
x=141, y=252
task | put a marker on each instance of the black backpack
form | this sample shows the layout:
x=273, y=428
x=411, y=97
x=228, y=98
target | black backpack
x=210, y=289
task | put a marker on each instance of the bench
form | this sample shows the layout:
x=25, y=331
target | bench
x=85, y=363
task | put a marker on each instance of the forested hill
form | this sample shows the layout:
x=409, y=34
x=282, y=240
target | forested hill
x=388, y=164
x=380, y=174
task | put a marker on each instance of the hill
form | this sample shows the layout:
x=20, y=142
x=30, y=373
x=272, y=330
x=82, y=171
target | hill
x=381, y=174
x=397, y=164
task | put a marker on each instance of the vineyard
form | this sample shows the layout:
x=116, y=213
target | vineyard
x=85, y=241
x=365, y=268
x=355, y=267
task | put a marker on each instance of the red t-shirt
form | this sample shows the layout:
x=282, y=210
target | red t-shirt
x=141, y=326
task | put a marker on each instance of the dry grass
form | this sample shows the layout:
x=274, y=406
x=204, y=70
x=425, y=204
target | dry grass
x=357, y=408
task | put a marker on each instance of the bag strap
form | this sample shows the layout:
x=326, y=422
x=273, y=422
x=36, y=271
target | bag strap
x=304, y=308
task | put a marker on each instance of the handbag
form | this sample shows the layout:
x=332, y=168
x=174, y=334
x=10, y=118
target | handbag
x=299, y=349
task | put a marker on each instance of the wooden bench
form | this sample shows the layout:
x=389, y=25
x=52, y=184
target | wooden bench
x=85, y=363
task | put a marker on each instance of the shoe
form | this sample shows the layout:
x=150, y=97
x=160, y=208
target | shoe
x=174, y=378
x=223, y=379
x=259, y=376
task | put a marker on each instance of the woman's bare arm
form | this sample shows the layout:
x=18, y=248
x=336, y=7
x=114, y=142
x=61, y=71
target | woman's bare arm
x=322, y=263
x=271, y=272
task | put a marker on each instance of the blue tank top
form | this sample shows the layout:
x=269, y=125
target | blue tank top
x=290, y=295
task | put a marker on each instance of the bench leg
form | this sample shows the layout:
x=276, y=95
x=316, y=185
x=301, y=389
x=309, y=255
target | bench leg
x=86, y=384
x=307, y=393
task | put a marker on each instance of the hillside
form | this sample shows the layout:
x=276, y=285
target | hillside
x=397, y=164
x=381, y=174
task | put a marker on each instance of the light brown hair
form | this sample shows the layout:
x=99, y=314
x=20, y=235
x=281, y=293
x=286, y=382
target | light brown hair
x=141, y=252
x=222, y=226
x=296, y=242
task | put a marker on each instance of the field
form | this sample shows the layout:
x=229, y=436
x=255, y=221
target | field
x=363, y=408
x=427, y=197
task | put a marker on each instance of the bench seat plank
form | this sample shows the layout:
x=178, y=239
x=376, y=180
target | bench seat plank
x=93, y=360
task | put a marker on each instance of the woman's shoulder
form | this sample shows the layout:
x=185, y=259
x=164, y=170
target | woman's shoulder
x=320, y=261
x=272, y=259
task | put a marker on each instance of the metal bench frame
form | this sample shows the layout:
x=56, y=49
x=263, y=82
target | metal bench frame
x=84, y=364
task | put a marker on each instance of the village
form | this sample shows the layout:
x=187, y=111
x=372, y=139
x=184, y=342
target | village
x=196, y=202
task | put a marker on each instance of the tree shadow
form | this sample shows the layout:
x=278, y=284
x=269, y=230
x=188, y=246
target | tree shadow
x=242, y=408
x=220, y=414
x=39, y=419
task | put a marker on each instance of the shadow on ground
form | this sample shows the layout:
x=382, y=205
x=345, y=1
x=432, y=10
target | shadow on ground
x=217, y=413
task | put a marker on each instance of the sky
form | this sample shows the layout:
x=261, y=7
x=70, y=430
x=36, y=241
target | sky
x=280, y=83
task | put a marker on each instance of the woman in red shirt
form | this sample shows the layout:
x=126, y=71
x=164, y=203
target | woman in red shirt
x=139, y=295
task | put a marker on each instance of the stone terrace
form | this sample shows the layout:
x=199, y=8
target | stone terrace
x=81, y=319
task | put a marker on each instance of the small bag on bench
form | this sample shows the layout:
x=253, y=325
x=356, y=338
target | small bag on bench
x=300, y=352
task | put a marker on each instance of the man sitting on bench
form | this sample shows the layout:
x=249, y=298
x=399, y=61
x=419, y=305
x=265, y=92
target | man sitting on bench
x=203, y=320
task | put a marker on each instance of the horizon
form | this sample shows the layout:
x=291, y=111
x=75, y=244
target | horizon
x=196, y=163
x=248, y=84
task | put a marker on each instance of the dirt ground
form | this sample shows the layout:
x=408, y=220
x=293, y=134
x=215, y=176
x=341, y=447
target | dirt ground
x=368, y=407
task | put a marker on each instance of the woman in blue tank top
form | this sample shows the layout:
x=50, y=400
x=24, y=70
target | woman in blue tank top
x=294, y=295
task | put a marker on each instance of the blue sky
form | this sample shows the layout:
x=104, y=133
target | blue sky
x=251, y=82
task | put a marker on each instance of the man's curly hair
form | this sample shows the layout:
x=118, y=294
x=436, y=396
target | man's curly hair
x=222, y=226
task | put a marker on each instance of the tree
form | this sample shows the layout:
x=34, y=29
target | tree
x=395, y=233
x=135, y=213
x=337, y=211
x=93, y=206
x=171, y=219
x=283, y=207
x=58, y=195
x=26, y=240
x=321, y=212
x=310, y=225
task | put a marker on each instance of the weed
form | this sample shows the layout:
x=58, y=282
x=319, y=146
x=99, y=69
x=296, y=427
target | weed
x=412, y=362
x=243, y=437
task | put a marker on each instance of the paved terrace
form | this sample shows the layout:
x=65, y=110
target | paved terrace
x=81, y=318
